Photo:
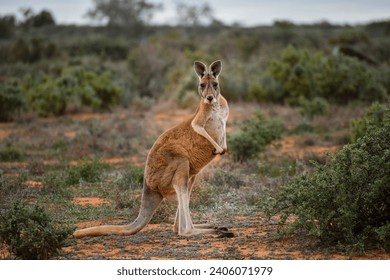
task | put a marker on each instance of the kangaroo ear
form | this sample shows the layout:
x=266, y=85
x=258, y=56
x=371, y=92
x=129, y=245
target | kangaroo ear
x=215, y=68
x=200, y=69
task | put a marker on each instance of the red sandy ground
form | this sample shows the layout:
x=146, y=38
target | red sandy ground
x=254, y=237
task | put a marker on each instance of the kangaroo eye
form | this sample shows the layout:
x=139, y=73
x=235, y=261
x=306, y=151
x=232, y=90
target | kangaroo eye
x=202, y=86
x=215, y=85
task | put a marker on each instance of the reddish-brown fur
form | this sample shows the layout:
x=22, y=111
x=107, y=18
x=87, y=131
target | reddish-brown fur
x=177, y=156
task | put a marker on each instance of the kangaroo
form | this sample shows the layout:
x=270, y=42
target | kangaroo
x=176, y=157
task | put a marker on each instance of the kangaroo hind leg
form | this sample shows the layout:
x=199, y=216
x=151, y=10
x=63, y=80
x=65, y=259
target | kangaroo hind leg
x=197, y=226
x=183, y=221
x=202, y=228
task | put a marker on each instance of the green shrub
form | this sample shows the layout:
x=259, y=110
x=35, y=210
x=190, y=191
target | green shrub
x=115, y=49
x=338, y=79
x=127, y=188
x=374, y=118
x=245, y=83
x=30, y=233
x=345, y=202
x=235, y=89
x=148, y=65
x=11, y=100
x=14, y=188
x=204, y=196
x=75, y=86
x=252, y=138
x=313, y=107
x=88, y=171
x=126, y=199
x=32, y=50
x=225, y=179
x=350, y=37
x=183, y=86
x=45, y=97
x=274, y=169
x=7, y=26
x=10, y=152
x=55, y=184
x=133, y=178
x=268, y=90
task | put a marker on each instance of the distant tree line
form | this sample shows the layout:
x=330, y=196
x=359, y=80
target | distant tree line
x=134, y=15
x=8, y=23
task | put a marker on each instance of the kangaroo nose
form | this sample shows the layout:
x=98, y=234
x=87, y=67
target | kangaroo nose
x=210, y=98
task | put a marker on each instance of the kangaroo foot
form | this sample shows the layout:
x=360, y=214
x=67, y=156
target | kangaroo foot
x=224, y=232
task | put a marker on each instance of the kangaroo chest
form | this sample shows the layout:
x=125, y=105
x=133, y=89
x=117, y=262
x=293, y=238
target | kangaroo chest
x=216, y=125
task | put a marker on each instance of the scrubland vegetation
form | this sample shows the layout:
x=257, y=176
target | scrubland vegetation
x=318, y=85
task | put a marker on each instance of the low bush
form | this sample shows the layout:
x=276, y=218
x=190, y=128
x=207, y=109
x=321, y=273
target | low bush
x=87, y=171
x=55, y=184
x=13, y=189
x=345, y=202
x=337, y=79
x=183, y=86
x=204, y=196
x=44, y=97
x=30, y=51
x=30, y=233
x=148, y=65
x=10, y=152
x=274, y=169
x=245, y=83
x=350, y=37
x=252, y=138
x=75, y=86
x=7, y=26
x=115, y=49
x=128, y=188
x=11, y=100
x=133, y=178
x=374, y=118
x=313, y=107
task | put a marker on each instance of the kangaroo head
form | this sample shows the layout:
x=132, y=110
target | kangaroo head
x=208, y=81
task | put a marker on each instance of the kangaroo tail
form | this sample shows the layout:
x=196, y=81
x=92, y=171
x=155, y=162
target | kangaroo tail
x=149, y=204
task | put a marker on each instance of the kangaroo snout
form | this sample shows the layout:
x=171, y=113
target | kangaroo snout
x=210, y=98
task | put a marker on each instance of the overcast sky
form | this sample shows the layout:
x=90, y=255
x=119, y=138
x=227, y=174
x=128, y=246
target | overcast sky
x=245, y=12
